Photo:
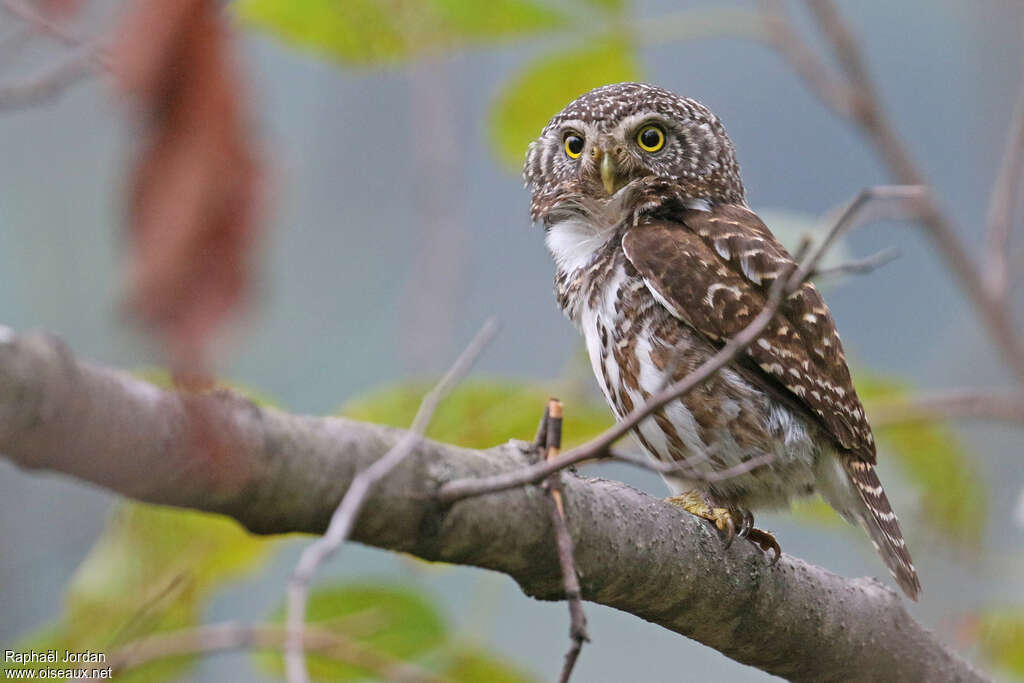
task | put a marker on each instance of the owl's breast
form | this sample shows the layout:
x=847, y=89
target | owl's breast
x=636, y=348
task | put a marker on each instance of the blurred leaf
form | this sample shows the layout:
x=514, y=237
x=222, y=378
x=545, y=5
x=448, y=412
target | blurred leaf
x=359, y=31
x=1000, y=637
x=195, y=185
x=389, y=620
x=482, y=413
x=377, y=31
x=152, y=570
x=952, y=496
x=471, y=666
x=525, y=105
x=497, y=18
x=816, y=510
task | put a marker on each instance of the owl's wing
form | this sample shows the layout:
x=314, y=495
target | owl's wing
x=712, y=270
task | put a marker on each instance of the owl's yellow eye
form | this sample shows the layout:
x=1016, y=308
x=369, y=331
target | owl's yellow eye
x=650, y=138
x=573, y=146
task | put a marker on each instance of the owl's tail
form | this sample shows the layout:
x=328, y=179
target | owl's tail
x=883, y=527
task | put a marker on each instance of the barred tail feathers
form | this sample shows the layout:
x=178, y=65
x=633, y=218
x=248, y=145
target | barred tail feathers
x=881, y=524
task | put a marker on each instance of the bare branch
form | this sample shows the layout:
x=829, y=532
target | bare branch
x=12, y=43
x=955, y=404
x=48, y=85
x=287, y=473
x=240, y=636
x=802, y=58
x=686, y=467
x=858, y=101
x=344, y=518
x=860, y=266
x=1002, y=203
x=40, y=22
x=552, y=424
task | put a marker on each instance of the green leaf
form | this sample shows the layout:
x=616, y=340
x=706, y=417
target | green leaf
x=471, y=666
x=152, y=570
x=818, y=511
x=357, y=31
x=1000, y=637
x=952, y=496
x=473, y=19
x=378, y=31
x=389, y=620
x=482, y=413
x=524, y=105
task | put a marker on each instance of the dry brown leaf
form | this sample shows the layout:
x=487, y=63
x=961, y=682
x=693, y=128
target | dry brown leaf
x=192, y=208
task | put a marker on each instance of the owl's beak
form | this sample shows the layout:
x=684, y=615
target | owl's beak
x=609, y=172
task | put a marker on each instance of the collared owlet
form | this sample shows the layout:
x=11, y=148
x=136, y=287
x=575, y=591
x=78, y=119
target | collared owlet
x=659, y=262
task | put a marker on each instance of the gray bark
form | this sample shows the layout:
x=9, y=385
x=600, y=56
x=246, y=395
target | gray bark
x=275, y=473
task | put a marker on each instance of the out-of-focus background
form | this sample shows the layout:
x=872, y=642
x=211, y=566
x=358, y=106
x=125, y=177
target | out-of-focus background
x=395, y=225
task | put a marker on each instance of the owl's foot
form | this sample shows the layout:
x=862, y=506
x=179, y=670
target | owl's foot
x=695, y=503
x=734, y=522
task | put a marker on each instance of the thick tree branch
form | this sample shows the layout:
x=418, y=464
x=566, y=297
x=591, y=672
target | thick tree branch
x=276, y=473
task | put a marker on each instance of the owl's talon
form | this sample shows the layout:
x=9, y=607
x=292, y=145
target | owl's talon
x=766, y=542
x=726, y=524
x=746, y=525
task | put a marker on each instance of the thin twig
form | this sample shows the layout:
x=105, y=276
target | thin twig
x=956, y=404
x=344, y=518
x=686, y=468
x=570, y=577
x=781, y=287
x=802, y=58
x=12, y=43
x=860, y=266
x=43, y=24
x=48, y=85
x=1002, y=203
x=231, y=635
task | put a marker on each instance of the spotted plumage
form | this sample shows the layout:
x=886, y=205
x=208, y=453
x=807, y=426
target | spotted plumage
x=659, y=262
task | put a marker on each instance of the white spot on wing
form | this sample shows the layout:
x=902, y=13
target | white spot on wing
x=751, y=274
x=714, y=289
x=662, y=300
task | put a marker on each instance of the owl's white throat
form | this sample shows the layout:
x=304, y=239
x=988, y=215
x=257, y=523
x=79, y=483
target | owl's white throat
x=574, y=241
x=586, y=226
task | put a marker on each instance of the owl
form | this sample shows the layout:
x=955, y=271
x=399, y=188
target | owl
x=659, y=262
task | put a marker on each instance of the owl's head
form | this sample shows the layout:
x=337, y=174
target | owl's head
x=630, y=139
